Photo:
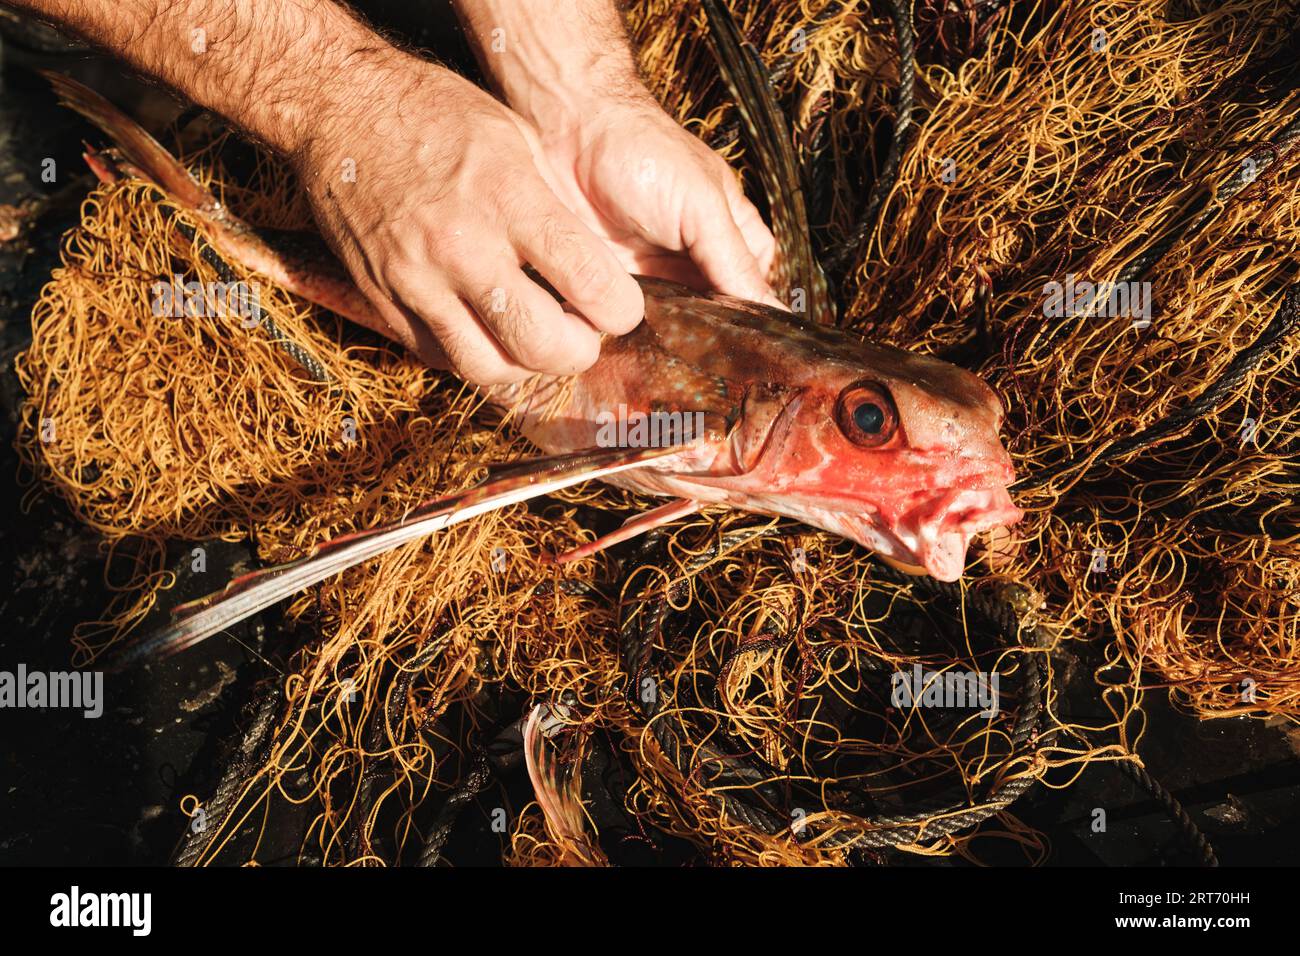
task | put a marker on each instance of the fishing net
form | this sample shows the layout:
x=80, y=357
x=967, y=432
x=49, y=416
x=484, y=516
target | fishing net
x=729, y=681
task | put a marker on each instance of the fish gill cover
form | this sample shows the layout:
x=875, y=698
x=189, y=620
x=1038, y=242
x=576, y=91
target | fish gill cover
x=744, y=690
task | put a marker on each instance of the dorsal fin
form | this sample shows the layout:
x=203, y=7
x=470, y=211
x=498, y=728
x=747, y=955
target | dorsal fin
x=768, y=132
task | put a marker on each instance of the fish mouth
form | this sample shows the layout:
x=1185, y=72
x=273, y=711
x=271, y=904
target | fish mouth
x=934, y=536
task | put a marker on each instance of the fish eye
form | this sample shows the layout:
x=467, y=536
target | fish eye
x=866, y=414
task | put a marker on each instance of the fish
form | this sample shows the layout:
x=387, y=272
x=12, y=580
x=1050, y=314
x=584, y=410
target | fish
x=770, y=411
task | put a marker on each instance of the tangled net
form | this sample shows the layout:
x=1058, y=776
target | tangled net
x=730, y=678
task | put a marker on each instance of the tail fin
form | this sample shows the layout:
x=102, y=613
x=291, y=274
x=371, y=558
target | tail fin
x=145, y=153
x=768, y=133
x=315, y=275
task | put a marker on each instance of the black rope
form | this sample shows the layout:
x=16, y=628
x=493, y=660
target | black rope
x=1188, y=829
x=242, y=764
x=1259, y=518
x=308, y=362
x=1181, y=225
x=471, y=785
x=1248, y=172
x=388, y=715
x=641, y=625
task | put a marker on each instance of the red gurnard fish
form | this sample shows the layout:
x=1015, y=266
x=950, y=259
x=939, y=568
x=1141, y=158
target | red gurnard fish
x=897, y=451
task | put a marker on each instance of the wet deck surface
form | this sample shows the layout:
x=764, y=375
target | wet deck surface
x=76, y=790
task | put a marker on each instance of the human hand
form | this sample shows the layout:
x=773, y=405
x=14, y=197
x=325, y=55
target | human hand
x=667, y=204
x=429, y=191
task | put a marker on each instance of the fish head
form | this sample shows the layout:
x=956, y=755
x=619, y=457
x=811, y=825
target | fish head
x=896, y=451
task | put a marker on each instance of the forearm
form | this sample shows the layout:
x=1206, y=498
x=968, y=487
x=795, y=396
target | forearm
x=554, y=61
x=271, y=66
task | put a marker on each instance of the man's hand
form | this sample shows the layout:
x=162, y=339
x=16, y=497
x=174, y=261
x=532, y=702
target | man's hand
x=429, y=190
x=663, y=200
x=666, y=203
x=426, y=186
x=434, y=194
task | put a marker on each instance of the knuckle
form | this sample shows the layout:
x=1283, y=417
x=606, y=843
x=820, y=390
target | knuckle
x=586, y=273
x=466, y=357
x=541, y=350
x=493, y=304
x=502, y=192
x=558, y=241
x=477, y=367
x=593, y=280
x=535, y=351
x=399, y=273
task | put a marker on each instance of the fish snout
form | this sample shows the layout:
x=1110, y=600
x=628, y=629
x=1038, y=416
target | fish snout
x=939, y=531
x=934, y=535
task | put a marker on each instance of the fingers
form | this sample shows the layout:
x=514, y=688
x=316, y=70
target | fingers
x=716, y=245
x=448, y=333
x=582, y=268
x=473, y=353
x=480, y=314
x=468, y=305
x=759, y=239
x=531, y=326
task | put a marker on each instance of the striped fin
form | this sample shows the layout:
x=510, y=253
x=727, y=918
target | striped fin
x=768, y=132
x=250, y=593
x=557, y=785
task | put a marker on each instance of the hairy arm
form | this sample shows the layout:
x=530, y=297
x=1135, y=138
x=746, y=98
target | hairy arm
x=427, y=188
x=270, y=66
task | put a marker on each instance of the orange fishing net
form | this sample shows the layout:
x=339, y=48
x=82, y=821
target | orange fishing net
x=756, y=722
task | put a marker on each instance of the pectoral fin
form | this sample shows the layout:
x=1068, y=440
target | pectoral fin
x=631, y=528
x=250, y=593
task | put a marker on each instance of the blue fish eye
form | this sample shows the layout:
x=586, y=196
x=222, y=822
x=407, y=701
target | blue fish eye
x=869, y=417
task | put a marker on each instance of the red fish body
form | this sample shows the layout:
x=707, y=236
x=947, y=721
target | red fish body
x=773, y=391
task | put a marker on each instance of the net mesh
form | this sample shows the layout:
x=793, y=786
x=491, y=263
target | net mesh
x=758, y=723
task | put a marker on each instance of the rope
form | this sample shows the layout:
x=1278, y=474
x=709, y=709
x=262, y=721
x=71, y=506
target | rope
x=240, y=768
x=1189, y=831
x=642, y=625
x=308, y=362
x=901, y=11
x=1283, y=325
x=474, y=782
